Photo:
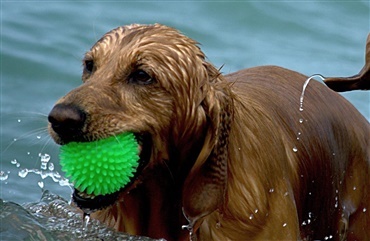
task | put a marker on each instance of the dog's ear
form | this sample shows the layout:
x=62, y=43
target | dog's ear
x=205, y=186
x=360, y=81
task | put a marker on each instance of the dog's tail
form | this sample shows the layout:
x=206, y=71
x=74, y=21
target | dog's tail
x=360, y=81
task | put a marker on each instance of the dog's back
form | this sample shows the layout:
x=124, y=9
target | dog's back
x=314, y=147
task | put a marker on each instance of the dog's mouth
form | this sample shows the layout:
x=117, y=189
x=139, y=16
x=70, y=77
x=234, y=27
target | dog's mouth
x=90, y=203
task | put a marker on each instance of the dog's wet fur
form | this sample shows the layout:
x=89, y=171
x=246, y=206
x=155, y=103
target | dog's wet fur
x=230, y=156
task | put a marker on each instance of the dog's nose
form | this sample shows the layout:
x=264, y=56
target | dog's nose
x=67, y=121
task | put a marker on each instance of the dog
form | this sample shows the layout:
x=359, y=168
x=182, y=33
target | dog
x=245, y=156
x=360, y=81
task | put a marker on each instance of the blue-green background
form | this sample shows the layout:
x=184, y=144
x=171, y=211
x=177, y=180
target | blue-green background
x=42, y=43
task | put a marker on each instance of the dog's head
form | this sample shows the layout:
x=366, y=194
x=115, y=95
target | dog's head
x=155, y=82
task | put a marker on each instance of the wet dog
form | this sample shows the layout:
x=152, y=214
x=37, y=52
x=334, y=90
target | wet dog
x=235, y=157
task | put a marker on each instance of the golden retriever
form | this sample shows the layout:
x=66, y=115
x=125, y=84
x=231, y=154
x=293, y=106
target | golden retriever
x=244, y=156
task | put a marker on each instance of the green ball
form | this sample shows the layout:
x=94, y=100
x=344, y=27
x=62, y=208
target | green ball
x=101, y=167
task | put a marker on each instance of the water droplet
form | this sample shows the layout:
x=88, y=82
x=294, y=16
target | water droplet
x=28, y=153
x=41, y=184
x=19, y=120
x=286, y=194
x=51, y=166
x=284, y=225
x=271, y=190
x=85, y=220
x=364, y=210
x=15, y=139
x=45, y=158
x=333, y=153
x=307, y=222
x=298, y=135
x=38, y=137
x=14, y=162
x=301, y=120
x=23, y=173
x=3, y=176
x=256, y=211
x=354, y=188
x=251, y=216
x=295, y=149
x=218, y=225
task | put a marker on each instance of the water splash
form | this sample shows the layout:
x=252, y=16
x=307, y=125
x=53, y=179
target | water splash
x=52, y=218
x=46, y=171
x=23, y=173
x=188, y=226
x=15, y=162
x=45, y=158
x=301, y=99
x=51, y=166
x=304, y=89
x=4, y=175
x=85, y=221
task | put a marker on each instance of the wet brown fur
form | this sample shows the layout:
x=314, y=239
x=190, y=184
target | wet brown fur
x=223, y=145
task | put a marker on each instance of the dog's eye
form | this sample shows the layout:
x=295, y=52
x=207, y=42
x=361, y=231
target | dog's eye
x=89, y=65
x=140, y=77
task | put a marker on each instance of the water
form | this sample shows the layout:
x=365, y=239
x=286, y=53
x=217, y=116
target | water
x=52, y=218
x=301, y=98
x=42, y=44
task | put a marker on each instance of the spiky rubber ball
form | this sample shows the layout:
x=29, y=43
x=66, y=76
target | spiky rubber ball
x=101, y=167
